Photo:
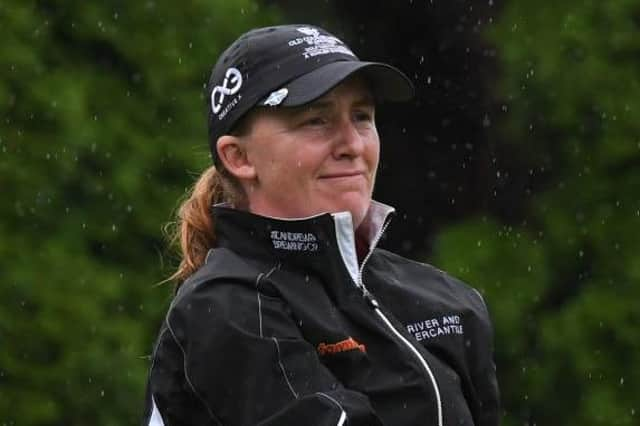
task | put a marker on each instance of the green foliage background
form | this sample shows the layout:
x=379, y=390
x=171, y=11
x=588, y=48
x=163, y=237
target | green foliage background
x=563, y=283
x=102, y=131
x=100, y=135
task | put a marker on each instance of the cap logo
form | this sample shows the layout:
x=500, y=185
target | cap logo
x=230, y=86
x=318, y=44
x=309, y=31
x=276, y=98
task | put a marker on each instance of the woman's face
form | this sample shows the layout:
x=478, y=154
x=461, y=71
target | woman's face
x=318, y=158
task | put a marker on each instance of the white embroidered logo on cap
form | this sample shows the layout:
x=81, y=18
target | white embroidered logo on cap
x=276, y=98
x=309, y=31
x=232, y=77
x=318, y=44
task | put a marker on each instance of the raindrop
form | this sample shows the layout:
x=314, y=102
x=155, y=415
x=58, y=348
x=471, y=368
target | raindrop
x=114, y=228
x=621, y=381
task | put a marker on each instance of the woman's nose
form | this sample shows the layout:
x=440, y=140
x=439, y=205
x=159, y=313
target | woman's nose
x=349, y=141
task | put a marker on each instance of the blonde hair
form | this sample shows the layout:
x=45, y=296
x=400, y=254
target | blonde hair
x=193, y=231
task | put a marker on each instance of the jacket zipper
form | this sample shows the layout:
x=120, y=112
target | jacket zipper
x=376, y=307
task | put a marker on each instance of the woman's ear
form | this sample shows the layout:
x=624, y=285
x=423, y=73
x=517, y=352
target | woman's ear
x=233, y=155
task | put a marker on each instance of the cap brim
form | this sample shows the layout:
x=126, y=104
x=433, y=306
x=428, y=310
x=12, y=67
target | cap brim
x=387, y=83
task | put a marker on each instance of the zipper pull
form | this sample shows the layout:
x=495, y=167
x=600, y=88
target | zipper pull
x=369, y=298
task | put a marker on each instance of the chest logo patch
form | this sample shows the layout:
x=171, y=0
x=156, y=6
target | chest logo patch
x=294, y=241
x=349, y=344
x=431, y=328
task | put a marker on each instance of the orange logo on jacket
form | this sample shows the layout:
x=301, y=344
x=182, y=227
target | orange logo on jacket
x=342, y=346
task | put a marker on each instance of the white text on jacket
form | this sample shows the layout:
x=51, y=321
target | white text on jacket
x=294, y=241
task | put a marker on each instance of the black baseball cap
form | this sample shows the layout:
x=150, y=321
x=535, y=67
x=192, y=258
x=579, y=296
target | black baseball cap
x=286, y=66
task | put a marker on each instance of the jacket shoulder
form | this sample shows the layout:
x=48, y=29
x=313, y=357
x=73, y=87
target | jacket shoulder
x=223, y=266
x=440, y=284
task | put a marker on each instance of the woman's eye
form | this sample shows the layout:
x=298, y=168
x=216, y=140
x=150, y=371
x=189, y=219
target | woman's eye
x=315, y=121
x=363, y=116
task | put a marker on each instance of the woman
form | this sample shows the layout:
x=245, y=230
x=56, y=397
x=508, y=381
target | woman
x=288, y=312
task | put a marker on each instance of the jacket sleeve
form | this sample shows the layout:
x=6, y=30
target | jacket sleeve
x=483, y=370
x=231, y=355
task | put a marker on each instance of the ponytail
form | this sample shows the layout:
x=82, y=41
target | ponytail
x=194, y=228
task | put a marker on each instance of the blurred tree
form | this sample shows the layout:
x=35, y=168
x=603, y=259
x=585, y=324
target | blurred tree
x=562, y=279
x=102, y=114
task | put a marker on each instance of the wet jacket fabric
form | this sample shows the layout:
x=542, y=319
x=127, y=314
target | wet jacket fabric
x=284, y=326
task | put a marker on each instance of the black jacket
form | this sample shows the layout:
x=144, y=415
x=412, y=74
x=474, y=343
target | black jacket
x=278, y=328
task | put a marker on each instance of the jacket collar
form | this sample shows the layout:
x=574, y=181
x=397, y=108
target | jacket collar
x=317, y=243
